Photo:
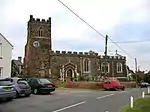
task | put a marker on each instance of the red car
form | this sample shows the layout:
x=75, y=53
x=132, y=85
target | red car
x=113, y=84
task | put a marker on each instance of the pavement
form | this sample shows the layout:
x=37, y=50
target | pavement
x=69, y=100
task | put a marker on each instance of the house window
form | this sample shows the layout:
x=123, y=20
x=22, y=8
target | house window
x=119, y=67
x=1, y=71
x=103, y=67
x=40, y=32
x=0, y=50
x=86, y=65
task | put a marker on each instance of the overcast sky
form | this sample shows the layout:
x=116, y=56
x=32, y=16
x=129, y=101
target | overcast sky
x=122, y=20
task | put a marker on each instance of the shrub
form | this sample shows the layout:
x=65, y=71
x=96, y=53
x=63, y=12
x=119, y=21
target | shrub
x=59, y=84
x=123, y=79
x=129, y=84
x=94, y=85
x=84, y=85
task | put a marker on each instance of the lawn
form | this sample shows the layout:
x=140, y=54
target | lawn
x=140, y=105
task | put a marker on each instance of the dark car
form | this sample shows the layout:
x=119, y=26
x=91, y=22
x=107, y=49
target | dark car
x=144, y=84
x=41, y=85
x=7, y=90
x=22, y=87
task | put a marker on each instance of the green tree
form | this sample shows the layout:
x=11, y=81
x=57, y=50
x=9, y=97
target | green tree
x=147, y=77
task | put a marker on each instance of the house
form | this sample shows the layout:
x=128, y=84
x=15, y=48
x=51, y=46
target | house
x=16, y=67
x=5, y=57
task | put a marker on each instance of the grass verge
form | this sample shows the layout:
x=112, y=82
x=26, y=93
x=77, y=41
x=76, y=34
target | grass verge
x=140, y=105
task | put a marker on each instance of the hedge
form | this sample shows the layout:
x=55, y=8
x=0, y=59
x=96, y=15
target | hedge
x=94, y=85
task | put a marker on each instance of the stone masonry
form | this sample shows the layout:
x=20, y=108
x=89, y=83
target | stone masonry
x=41, y=60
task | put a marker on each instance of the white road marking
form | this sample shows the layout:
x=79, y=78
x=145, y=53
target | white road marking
x=123, y=91
x=69, y=106
x=104, y=96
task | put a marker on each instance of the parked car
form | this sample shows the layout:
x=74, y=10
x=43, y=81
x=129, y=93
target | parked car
x=41, y=85
x=144, y=84
x=7, y=90
x=113, y=84
x=22, y=87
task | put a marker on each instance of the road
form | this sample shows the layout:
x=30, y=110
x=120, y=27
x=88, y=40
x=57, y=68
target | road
x=73, y=101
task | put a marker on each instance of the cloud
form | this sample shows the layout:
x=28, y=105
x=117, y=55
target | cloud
x=133, y=32
x=122, y=20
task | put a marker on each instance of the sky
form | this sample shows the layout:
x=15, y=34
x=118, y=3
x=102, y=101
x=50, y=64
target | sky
x=121, y=20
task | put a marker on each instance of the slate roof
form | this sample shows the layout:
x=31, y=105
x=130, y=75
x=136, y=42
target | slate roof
x=17, y=62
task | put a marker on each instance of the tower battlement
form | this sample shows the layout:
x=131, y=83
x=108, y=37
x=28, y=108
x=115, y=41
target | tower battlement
x=32, y=19
x=73, y=53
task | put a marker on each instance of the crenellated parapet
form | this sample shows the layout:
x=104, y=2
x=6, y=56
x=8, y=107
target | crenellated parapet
x=38, y=20
x=73, y=53
x=113, y=57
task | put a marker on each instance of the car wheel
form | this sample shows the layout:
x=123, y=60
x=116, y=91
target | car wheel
x=9, y=99
x=35, y=91
x=105, y=89
x=27, y=95
x=17, y=95
x=123, y=88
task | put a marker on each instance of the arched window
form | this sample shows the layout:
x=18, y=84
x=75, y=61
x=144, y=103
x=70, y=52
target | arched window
x=40, y=32
x=86, y=65
x=103, y=67
x=119, y=67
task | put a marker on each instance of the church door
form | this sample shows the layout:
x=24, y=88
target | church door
x=69, y=74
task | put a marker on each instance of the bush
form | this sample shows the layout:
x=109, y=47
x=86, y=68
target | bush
x=123, y=79
x=59, y=84
x=84, y=85
x=94, y=85
x=129, y=84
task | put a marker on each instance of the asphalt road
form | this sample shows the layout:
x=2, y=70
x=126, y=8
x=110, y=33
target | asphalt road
x=73, y=101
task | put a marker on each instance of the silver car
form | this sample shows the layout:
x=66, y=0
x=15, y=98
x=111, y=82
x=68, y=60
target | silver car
x=22, y=87
x=7, y=90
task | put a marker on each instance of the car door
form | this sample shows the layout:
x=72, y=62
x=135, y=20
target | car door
x=34, y=83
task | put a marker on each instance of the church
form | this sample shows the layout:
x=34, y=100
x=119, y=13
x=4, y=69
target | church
x=41, y=60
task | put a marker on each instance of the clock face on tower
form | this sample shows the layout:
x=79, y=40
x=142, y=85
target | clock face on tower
x=36, y=44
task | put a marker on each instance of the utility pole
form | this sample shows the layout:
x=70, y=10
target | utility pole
x=136, y=69
x=106, y=41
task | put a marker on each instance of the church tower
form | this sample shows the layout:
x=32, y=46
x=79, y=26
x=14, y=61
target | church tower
x=38, y=47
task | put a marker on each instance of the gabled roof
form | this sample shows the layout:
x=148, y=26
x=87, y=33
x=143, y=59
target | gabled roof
x=6, y=40
x=17, y=62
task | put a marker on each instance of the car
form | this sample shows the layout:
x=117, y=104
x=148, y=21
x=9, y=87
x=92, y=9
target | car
x=41, y=85
x=21, y=86
x=144, y=84
x=113, y=84
x=7, y=90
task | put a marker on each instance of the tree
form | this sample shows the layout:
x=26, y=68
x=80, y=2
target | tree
x=147, y=77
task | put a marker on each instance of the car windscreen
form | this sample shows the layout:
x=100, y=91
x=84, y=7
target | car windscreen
x=5, y=83
x=22, y=82
x=45, y=81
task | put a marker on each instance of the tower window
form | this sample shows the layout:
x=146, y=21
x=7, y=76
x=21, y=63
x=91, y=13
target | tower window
x=40, y=32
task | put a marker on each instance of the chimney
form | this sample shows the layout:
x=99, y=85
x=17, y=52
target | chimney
x=20, y=59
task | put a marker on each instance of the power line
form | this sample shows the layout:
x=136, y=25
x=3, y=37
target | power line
x=132, y=41
x=93, y=28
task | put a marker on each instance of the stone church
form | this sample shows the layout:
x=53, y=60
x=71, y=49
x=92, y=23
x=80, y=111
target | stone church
x=41, y=60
